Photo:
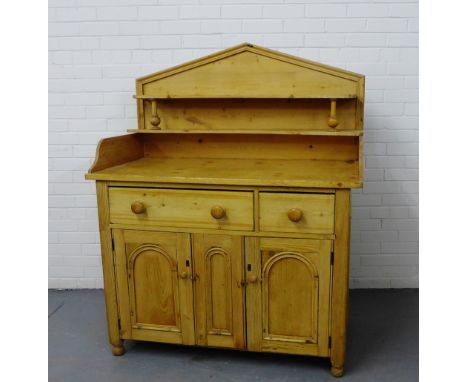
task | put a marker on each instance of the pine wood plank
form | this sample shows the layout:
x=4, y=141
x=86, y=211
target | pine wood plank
x=193, y=230
x=249, y=114
x=339, y=307
x=107, y=256
x=252, y=75
x=253, y=294
x=117, y=150
x=289, y=173
x=247, y=47
x=331, y=133
x=219, y=187
x=244, y=146
x=150, y=97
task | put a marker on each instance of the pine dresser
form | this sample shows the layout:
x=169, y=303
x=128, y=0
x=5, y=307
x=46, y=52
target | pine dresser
x=225, y=216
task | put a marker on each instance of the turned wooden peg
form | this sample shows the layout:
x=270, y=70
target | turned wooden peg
x=155, y=120
x=332, y=121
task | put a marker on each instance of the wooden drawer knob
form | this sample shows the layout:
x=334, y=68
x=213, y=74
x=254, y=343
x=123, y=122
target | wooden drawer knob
x=218, y=212
x=138, y=207
x=183, y=275
x=295, y=214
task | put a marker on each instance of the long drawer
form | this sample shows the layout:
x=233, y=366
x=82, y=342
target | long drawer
x=300, y=213
x=230, y=210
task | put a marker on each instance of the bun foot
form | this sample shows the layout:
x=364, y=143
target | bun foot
x=337, y=371
x=118, y=350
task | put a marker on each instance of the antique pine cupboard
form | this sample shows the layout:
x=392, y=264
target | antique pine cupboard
x=225, y=217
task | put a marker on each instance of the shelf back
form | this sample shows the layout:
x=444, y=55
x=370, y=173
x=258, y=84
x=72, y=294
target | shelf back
x=243, y=146
x=250, y=114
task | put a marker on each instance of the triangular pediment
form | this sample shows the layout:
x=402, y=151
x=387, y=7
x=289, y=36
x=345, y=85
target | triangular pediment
x=248, y=71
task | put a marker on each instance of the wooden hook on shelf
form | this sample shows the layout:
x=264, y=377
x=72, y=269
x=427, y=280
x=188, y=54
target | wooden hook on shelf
x=155, y=120
x=332, y=121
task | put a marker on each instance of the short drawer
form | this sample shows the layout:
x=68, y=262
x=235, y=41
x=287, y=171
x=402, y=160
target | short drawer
x=182, y=208
x=300, y=213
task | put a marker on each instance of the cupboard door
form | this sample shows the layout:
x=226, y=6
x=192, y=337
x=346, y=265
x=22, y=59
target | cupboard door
x=219, y=297
x=154, y=286
x=288, y=294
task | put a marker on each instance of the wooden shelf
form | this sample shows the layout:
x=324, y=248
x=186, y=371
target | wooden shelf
x=253, y=172
x=343, y=133
x=234, y=96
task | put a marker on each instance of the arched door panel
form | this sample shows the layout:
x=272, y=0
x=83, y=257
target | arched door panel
x=219, y=296
x=156, y=302
x=288, y=304
x=290, y=291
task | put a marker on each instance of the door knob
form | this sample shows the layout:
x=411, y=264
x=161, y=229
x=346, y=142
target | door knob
x=183, y=275
x=252, y=279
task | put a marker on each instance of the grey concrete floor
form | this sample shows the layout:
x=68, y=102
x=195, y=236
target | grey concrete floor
x=382, y=346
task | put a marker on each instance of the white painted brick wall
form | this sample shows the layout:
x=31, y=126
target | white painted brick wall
x=98, y=47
